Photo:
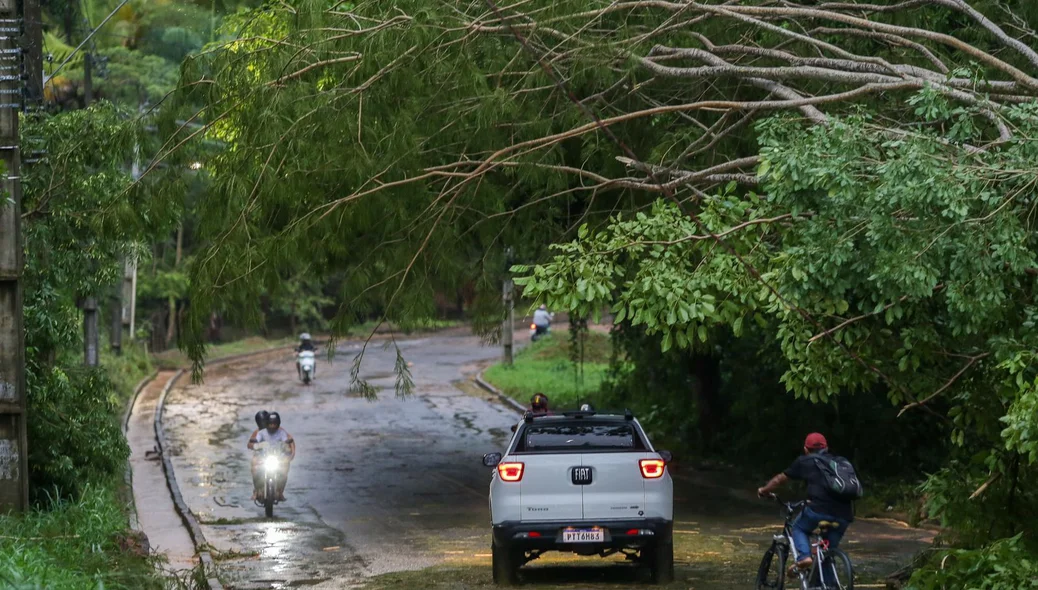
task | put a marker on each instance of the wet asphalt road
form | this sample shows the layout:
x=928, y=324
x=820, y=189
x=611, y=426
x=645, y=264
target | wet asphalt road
x=373, y=484
x=397, y=484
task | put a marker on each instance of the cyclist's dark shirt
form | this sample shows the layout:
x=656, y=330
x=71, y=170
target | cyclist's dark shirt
x=822, y=502
x=306, y=346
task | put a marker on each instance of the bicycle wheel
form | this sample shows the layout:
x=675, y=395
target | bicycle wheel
x=772, y=572
x=836, y=572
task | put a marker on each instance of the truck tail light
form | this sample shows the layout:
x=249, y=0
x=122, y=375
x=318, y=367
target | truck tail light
x=510, y=471
x=652, y=468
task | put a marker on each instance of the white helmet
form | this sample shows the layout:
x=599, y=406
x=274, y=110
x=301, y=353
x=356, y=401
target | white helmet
x=304, y=336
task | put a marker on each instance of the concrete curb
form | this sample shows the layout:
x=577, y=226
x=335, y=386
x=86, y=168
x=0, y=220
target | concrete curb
x=508, y=400
x=190, y=522
x=128, y=475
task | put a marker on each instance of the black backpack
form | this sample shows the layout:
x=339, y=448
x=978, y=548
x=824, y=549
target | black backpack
x=840, y=478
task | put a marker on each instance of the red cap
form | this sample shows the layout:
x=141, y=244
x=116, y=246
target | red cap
x=815, y=441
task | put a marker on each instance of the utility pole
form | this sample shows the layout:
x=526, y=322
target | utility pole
x=129, y=286
x=130, y=295
x=91, y=337
x=88, y=79
x=115, y=339
x=14, y=33
x=508, y=292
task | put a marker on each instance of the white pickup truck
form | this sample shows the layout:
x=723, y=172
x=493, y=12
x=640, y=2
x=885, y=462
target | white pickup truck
x=584, y=482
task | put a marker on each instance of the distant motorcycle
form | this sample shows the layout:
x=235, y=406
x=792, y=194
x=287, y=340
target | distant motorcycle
x=307, y=365
x=272, y=461
x=536, y=332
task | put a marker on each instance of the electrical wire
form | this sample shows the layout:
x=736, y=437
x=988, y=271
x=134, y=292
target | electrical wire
x=88, y=38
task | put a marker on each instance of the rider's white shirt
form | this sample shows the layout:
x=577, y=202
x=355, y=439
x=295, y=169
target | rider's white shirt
x=280, y=436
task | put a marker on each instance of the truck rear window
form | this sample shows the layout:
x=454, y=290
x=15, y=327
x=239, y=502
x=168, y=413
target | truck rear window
x=579, y=437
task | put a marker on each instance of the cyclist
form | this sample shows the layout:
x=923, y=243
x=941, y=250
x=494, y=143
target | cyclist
x=821, y=504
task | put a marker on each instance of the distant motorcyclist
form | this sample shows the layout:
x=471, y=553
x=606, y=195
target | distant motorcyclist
x=273, y=433
x=306, y=343
x=542, y=320
x=261, y=422
x=539, y=405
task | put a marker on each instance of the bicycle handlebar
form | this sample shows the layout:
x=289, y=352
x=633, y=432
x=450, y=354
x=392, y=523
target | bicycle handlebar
x=791, y=506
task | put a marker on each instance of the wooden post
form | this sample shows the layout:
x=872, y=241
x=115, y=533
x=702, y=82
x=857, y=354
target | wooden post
x=508, y=296
x=509, y=324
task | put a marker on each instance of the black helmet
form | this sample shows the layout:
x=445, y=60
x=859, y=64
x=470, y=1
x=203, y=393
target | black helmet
x=274, y=419
x=539, y=401
x=261, y=418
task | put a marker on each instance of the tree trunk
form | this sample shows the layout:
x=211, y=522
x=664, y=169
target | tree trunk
x=171, y=329
x=292, y=319
x=707, y=372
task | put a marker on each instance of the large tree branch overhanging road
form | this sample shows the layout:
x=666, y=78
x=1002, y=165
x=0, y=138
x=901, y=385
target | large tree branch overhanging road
x=397, y=484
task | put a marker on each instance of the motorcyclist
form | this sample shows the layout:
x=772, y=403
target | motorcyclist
x=539, y=405
x=261, y=422
x=306, y=343
x=822, y=505
x=542, y=320
x=273, y=433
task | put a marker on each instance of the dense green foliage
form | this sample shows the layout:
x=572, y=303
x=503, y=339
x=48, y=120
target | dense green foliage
x=911, y=256
x=80, y=219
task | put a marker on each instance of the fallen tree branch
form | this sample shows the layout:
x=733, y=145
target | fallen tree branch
x=954, y=378
x=862, y=316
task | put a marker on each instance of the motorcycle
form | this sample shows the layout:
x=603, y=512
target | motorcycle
x=534, y=334
x=272, y=458
x=307, y=365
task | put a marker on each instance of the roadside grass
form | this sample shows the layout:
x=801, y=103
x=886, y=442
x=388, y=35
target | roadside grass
x=75, y=544
x=545, y=366
x=127, y=370
x=424, y=325
x=177, y=359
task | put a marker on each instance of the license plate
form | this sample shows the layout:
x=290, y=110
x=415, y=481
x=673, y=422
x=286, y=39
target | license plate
x=583, y=536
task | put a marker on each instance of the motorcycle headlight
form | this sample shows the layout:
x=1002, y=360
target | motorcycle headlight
x=271, y=463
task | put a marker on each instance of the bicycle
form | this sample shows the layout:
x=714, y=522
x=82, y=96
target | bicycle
x=831, y=569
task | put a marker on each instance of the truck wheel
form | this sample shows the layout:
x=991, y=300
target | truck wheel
x=660, y=559
x=506, y=565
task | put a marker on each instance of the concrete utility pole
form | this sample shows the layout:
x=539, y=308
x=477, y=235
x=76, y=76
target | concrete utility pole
x=115, y=339
x=88, y=80
x=128, y=305
x=508, y=293
x=91, y=336
x=14, y=466
x=91, y=354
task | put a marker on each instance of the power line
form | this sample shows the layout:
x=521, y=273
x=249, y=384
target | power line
x=88, y=38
